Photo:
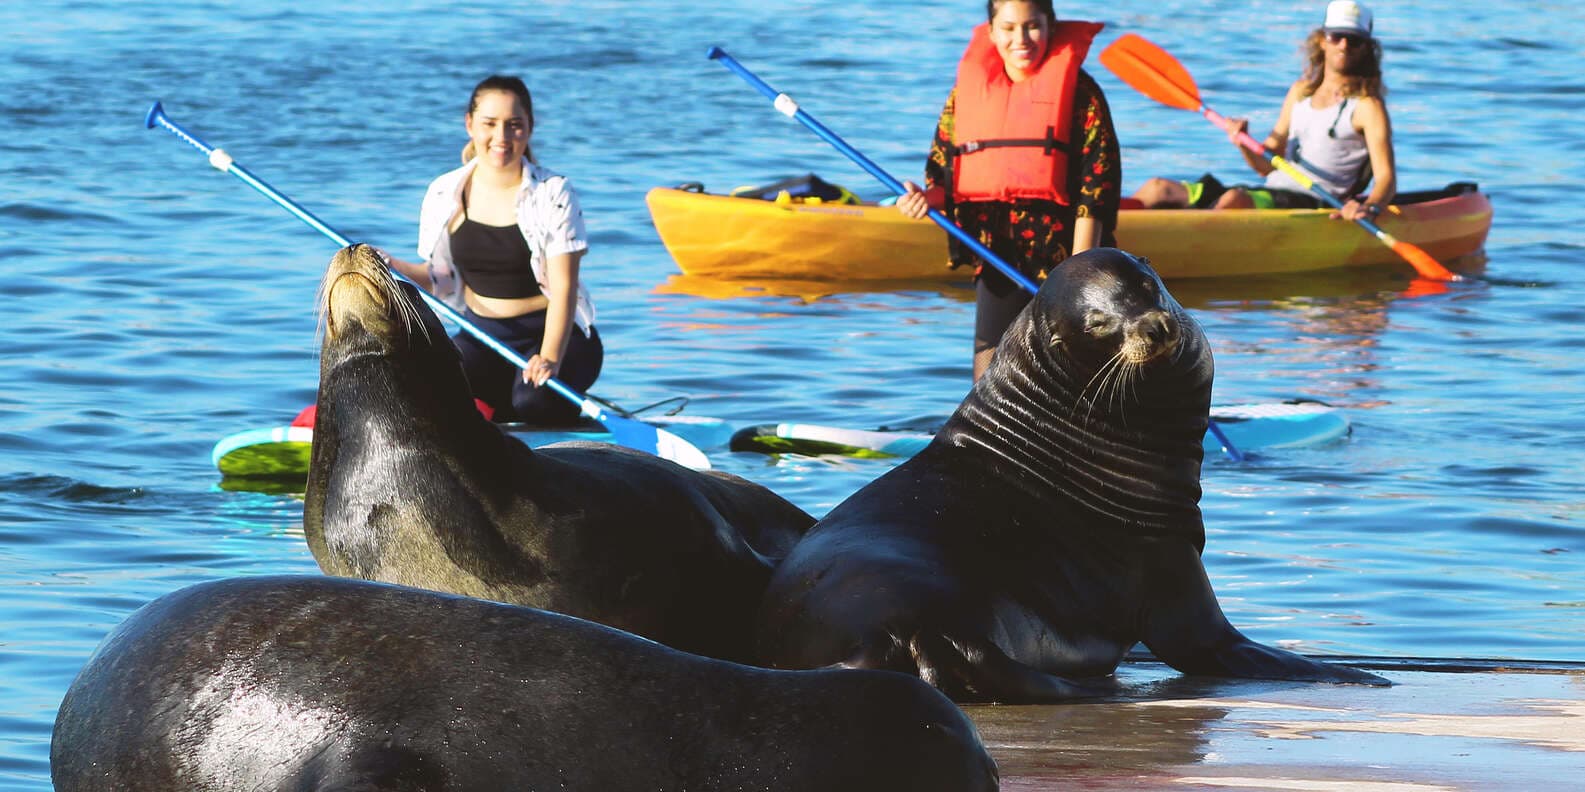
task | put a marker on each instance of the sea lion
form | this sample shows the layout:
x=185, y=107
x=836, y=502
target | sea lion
x=1051, y=524
x=409, y=484
x=317, y=683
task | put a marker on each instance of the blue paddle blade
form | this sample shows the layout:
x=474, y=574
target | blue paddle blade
x=654, y=440
x=633, y=434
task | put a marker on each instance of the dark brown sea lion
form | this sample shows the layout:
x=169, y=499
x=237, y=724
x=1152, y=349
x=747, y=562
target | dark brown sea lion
x=409, y=484
x=313, y=684
x=1052, y=523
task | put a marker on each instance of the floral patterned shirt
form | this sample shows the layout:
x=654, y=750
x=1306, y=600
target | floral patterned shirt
x=1032, y=234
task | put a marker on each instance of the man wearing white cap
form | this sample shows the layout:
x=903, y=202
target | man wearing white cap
x=1333, y=124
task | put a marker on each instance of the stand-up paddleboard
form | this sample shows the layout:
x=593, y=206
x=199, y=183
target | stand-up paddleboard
x=275, y=459
x=1249, y=427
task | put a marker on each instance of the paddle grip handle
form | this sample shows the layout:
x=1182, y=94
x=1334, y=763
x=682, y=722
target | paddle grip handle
x=785, y=104
x=732, y=65
x=157, y=117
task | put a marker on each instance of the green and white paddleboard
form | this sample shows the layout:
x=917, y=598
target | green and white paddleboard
x=275, y=459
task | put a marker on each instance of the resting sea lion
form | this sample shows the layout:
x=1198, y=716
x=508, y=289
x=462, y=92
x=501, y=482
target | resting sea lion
x=315, y=684
x=409, y=484
x=1052, y=523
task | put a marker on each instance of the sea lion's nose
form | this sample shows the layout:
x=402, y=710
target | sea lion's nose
x=1155, y=328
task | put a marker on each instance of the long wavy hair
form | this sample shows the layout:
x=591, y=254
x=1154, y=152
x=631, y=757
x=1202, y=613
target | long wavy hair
x=1366, y=79
x=511, y=85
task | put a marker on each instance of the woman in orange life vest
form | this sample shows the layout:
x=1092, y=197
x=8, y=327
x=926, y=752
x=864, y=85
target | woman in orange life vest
x=501, y=238
x=1333, y=124
x=1025, y=158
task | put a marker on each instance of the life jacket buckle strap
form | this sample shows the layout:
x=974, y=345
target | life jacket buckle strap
x=1048, y=145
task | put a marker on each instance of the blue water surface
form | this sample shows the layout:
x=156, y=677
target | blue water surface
x=156, y=305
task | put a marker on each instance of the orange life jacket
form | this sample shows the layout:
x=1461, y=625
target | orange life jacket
x=1009, y=140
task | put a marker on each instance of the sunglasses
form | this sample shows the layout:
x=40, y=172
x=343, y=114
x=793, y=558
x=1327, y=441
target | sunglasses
x=1353, y=39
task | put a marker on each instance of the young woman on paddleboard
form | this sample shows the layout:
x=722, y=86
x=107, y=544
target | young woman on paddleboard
x=501, y=238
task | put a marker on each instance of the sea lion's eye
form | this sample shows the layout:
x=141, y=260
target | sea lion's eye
x=1099, y=323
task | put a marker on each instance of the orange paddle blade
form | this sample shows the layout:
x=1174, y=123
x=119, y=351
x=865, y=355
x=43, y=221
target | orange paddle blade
x=1151, y=71
x=1423, y=287
x=1423, y=263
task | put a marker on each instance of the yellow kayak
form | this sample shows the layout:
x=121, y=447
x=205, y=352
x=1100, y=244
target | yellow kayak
x=718, y=236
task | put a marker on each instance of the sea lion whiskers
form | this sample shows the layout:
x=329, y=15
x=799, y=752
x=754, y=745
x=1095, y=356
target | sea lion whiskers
x=1147, y=339
x=406, y=309
x=374, y=264
x=368, y=266
x=1124, y=387
x=1100, y=383
x=1084, y=397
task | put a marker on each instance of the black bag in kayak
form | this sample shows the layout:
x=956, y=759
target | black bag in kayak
x=800, y=188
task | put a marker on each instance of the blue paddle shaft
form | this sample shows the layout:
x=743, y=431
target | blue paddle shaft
x=788, y=107
x=156, y=116
x=1227, y=445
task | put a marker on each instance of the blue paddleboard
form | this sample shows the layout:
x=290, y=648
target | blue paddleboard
x=1249, y=427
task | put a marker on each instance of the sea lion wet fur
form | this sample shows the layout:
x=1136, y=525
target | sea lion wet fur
x=1051, y=525
x=324, y=684
x=409, y=484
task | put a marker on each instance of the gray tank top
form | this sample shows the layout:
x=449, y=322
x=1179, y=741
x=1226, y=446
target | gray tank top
x=1324, y=144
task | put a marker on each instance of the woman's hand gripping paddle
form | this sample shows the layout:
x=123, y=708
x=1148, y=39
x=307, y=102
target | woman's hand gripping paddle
x=1153, y=72
x=624, y=431
x=789, y=108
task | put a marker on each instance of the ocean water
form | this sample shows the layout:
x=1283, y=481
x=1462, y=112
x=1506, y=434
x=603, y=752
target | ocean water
x=156, y=305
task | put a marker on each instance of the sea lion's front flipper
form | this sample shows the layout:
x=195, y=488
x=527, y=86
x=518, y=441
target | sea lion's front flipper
x=1184, y=627
x=1246, y=659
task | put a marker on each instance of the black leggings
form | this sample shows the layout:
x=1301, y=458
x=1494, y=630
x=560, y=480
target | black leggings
x=500, y=384
x=998, y=301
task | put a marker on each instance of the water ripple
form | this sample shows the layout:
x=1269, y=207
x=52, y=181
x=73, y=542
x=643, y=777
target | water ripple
x=158, y=306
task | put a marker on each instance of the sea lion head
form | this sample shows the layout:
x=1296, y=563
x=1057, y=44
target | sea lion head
x=1108, y=312
x=383, y=350
x=1104, y=335
x=359, y=297
x=1101, y=388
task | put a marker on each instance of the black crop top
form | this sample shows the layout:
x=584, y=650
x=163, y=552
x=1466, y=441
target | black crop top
x=494, y=260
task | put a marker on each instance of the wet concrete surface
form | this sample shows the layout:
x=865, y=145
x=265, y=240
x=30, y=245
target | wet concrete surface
x=1487, y=728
